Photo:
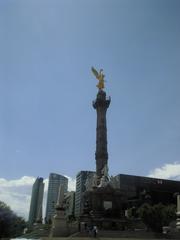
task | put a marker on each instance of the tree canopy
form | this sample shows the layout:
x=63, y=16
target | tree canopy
x=157, y=216
x=11, y=225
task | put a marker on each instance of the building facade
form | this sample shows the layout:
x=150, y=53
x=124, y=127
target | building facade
x=55, y=180
x=35, y=213
x=140, y=189
x=81, y=178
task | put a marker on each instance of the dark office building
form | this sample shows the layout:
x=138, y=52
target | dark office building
x=36, y=201
x=144, y=189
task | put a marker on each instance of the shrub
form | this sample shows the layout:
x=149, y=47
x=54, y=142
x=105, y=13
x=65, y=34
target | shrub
x=157, y=216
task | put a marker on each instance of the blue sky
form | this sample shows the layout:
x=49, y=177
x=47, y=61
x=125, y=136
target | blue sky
x=47, y=48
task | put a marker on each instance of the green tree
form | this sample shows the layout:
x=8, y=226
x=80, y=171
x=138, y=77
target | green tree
x=157, y=216
x=11, y=225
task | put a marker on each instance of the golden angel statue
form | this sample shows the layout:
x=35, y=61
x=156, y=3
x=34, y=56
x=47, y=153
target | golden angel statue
x=100, y=77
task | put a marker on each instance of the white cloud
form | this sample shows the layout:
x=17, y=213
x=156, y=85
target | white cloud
x=167, y=171
x=17, y=193
x=17, y=182
x=19, y=203
x=71, y=183
x=46, y=181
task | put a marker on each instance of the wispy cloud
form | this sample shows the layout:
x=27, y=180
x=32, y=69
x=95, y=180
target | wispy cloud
x=167, y=171
x=17, y=193
x=28, y=181
x=71, y=183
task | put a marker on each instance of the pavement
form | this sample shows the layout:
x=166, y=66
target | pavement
x=101, y=238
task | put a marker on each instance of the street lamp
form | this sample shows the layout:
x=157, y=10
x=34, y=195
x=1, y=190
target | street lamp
x=178, y=212
x=177, y=195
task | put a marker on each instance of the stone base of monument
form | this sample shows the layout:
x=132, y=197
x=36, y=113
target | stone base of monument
x=59, y=225
x=103, y=206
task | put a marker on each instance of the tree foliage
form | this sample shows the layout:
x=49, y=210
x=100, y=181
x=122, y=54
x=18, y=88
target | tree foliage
x=11, y=225
x=157, y=216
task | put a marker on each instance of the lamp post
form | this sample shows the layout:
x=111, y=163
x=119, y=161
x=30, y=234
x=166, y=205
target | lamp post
x=178, y=212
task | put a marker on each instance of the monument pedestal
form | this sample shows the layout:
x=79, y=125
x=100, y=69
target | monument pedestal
x=59, y=224
x=104, y=207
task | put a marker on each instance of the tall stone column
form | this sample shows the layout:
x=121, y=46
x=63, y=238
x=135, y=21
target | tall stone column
x=101, y=104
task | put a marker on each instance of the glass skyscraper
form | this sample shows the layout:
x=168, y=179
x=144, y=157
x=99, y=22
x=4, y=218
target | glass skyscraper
x=55, y=180
x=35, y=212
x=81, y=178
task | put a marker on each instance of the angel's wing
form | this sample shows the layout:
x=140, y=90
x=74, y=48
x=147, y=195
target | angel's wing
x=96, y=74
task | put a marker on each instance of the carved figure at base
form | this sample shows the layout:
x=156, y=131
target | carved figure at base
x=94, y=183
x=103, y=182
x=91, y=181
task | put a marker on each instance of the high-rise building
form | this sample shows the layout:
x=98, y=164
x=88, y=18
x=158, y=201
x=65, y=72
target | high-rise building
x=35, y=213
x=55, y=180
x=81, y=178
